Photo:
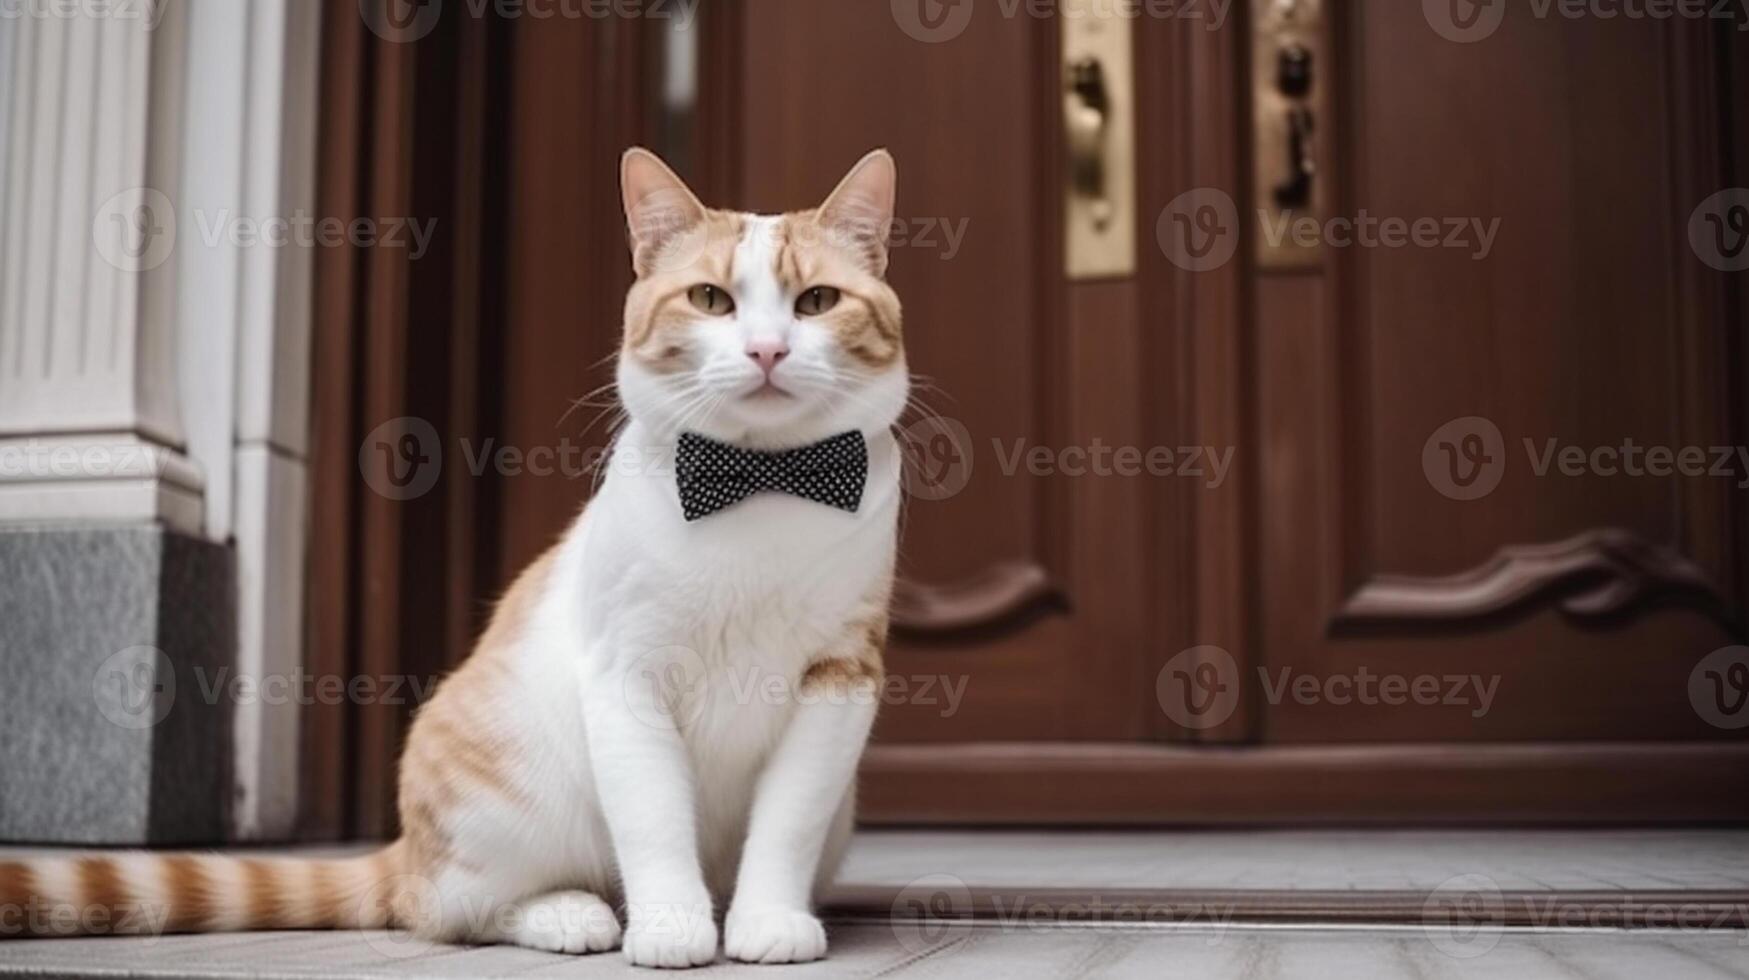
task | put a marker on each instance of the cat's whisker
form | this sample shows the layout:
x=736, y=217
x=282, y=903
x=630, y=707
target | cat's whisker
x=585, y=400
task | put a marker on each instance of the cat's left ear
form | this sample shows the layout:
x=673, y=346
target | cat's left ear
x=659, y=206
x=861, y=209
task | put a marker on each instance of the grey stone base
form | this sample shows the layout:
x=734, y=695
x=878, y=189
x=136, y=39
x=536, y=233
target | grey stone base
x=107, y=735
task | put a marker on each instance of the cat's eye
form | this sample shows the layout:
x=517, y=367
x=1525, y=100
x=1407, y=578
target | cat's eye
x=817, y=301
x=713, y=300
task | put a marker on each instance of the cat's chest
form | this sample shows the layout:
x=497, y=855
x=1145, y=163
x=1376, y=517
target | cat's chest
x=777, y=605
x=771, y=561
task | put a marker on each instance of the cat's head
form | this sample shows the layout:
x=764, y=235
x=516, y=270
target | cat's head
x=762, y=331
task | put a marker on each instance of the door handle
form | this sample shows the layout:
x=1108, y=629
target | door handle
x=1295, y=191
x=1293, y=122
x=1087, y=118
x=1097, y=89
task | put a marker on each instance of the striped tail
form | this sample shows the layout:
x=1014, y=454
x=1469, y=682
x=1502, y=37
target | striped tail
x=138, y=894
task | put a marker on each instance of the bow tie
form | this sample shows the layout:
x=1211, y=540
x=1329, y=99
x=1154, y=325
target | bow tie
x=713, y=475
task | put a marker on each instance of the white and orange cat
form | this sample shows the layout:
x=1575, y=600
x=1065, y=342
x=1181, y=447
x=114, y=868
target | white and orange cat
x=663, y=720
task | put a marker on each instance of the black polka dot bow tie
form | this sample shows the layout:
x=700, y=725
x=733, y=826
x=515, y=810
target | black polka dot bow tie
x=713, y=475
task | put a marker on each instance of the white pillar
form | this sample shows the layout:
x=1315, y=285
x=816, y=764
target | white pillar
x=154, y=347
x=90, y=427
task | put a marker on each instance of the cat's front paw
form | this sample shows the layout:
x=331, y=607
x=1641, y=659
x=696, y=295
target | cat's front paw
x=670, y=935
x=564, y=922
x=773, y=935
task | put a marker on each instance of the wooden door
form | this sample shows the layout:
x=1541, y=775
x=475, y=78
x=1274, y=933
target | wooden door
x=1082, y=648
x=1427, y=403
x=1449, y=431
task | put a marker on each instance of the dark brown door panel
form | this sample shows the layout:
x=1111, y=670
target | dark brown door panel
x=1420, y=406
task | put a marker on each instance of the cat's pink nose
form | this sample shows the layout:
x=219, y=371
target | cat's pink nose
x=766, y=354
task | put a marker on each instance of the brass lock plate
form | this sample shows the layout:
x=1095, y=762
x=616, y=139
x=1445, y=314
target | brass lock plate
x=1290, y=84
x=1098, y=92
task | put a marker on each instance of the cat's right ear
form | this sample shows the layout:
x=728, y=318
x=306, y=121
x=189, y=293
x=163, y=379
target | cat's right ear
x=658, y=205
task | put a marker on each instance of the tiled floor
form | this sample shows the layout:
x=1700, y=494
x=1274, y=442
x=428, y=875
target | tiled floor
x=969, y=952
x=1030, y=889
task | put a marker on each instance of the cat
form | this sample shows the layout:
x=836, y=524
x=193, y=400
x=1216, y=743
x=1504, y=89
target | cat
x=664, y=716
